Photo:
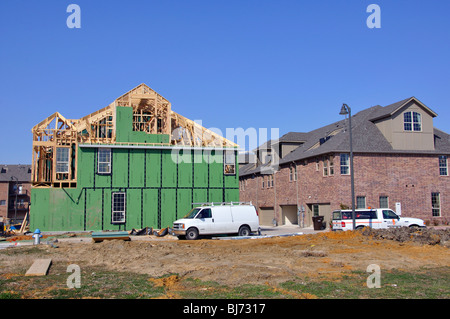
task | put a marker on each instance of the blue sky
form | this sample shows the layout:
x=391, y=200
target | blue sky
x=263, y=64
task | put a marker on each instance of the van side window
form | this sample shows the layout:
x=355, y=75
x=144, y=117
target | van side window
x=389, y=214
x=205, y=213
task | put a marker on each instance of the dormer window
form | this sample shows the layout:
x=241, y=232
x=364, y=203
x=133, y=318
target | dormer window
x=412, y=121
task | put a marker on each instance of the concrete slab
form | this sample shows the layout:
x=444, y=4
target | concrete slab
x=39, y=267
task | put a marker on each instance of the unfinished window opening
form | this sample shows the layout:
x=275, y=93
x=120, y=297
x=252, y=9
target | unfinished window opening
x=104, y=128
x=159, y=125
x=104, y=161
x=229, y=165
x=118, y=208
x=143, y=121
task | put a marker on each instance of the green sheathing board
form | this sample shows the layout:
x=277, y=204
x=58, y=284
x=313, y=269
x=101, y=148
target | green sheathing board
x=160, y=185
x=125, y=133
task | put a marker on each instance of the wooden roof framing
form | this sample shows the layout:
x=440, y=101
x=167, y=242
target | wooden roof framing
x=152, y=114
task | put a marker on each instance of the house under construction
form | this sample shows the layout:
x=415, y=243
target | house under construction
x=133, y=164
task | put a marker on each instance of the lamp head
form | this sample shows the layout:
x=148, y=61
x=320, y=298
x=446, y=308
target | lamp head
x=344, y=109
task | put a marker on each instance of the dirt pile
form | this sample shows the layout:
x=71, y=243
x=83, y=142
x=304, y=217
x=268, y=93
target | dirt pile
x=427, y=236
x=329, y=255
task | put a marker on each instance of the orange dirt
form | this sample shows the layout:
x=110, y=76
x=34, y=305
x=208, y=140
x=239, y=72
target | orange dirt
x=328, y=255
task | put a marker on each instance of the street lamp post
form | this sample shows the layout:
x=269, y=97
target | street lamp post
x=344, y=111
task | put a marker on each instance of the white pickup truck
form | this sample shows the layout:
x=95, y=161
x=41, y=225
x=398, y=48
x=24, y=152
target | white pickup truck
x=374, y=218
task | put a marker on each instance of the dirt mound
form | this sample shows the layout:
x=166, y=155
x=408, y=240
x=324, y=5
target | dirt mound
x=427, y=236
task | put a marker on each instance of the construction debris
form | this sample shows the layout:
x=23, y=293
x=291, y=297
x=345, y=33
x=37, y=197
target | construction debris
x=142, y=232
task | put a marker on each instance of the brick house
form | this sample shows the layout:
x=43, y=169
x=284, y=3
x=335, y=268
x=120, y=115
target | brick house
x=15, y=186
x=400, y=162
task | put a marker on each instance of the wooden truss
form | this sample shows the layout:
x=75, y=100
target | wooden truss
x=56, y=139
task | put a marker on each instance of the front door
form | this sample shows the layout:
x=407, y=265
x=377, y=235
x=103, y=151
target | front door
x=390, y=218
x=204, y=221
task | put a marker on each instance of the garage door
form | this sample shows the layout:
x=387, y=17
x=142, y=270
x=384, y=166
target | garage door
x=266, y=215
x=289, y=215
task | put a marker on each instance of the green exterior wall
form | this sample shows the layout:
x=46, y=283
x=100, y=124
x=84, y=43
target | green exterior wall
x=158, y=189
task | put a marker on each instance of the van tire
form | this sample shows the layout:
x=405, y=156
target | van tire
x=192, y=233
x=244, y=231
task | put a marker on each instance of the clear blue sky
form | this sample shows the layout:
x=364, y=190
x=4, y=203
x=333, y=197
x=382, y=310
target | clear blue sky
x=245, y=63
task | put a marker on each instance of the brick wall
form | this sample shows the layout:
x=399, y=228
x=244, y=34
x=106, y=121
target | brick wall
x=4, y=186
x=407, y=179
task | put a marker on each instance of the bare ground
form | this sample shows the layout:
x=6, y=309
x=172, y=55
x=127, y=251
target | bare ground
x=328, y=255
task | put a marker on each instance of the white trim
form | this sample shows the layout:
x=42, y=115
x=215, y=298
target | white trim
x=108, y=162
x=163, y=147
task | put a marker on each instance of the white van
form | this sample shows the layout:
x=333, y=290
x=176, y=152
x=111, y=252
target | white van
x=218, y=218
x=374, y=218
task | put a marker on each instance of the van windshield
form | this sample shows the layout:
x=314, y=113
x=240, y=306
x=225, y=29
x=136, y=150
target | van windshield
x=192, y=213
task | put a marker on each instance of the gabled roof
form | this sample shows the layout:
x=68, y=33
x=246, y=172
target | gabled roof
x=367, y=138
x=391, y=109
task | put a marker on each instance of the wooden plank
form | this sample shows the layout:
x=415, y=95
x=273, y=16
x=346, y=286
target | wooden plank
x=39, y=267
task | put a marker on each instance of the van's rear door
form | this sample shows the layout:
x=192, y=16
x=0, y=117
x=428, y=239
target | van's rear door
x=337, y=220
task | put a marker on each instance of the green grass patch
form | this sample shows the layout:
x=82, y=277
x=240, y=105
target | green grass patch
x=395, y=284
x=99, y=283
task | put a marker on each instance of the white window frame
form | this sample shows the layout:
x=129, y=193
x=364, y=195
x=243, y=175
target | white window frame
x=411, y=122
x=443, y=165
x=101, y=161
x=293, y=173
x=331, y=165
x=62, y=161
x=387, y=201
x=435, y=204
x=344, y=165
x=325, y=166
x=365, y=203
x=118, y=214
